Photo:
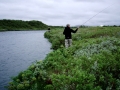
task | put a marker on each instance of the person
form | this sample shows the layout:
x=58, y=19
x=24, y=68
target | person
x=68, y=36
x=49, y=29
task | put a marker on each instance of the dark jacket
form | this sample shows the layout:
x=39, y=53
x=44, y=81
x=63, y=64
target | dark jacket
x=67, y=32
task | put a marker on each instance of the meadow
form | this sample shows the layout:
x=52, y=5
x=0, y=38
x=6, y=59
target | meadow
x=91, y=63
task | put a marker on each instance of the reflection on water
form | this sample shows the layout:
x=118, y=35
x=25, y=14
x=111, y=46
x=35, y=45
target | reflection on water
x=18, y=50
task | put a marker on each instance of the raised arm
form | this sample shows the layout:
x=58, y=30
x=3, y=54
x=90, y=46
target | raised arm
x=74, y=31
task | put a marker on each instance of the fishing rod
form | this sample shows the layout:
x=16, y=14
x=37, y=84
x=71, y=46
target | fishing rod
x=97, y=14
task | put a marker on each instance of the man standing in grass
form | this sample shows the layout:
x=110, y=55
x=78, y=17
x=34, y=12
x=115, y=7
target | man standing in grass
x=68, y=37
x=49, y=29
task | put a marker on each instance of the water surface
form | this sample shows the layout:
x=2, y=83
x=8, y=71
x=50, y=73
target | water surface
x=18, y=50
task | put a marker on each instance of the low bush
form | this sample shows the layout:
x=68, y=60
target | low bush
x=91, y=63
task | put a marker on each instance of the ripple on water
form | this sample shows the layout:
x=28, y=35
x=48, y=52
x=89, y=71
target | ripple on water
x=18, y=50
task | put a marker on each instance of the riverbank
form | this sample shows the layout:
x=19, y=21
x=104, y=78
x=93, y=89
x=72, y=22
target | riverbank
x=20, y=25
x=91, y=63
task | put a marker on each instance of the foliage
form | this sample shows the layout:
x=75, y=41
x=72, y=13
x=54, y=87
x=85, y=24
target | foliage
x=55, y=36
x=91, y=63
x=21, y=25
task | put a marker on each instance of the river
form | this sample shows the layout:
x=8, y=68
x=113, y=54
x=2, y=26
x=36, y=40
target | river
x=18, y=50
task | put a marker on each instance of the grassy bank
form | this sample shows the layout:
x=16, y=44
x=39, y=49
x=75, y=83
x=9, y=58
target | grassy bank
x=91, y=63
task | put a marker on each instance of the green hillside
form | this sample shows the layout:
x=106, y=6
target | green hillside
x=8, y=25
x=91, y=63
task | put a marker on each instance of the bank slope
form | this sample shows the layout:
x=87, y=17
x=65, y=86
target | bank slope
x=91, y=63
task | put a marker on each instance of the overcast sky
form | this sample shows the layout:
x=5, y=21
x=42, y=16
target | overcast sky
x=62, y=12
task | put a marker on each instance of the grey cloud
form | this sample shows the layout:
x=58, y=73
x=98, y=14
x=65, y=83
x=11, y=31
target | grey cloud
x=61, y=12
x=89, y=0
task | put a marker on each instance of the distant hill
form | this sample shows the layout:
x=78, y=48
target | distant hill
x=6, y=24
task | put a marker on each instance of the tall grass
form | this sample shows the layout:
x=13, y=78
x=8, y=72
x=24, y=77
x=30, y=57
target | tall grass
x=91, y=63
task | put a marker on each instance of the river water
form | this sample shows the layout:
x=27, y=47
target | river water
x=18, y=50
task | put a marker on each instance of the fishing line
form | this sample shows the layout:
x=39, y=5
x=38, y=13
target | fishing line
x=97, y=14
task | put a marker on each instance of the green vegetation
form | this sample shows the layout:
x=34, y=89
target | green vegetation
x=9, y=25
x=91, y=63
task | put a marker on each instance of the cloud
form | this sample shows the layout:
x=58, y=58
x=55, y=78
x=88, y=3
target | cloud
x=61, y=12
